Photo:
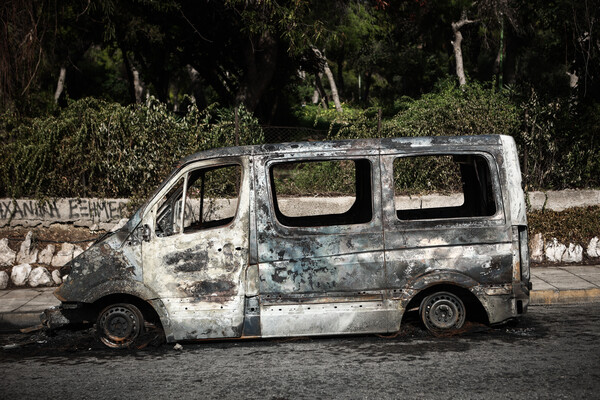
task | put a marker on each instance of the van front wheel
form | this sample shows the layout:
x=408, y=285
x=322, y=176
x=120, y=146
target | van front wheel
x=119, y=325
x=442, y=312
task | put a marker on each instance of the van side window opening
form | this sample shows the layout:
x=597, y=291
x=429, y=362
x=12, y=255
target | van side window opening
x=302, y=192
x=443, y=186
x=211, y=199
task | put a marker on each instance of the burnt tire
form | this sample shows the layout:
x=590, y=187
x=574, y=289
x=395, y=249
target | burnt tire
x=442, y=312
x=119, y=325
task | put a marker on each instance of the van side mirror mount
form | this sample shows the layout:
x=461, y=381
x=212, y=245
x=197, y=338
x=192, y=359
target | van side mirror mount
x=145, y=233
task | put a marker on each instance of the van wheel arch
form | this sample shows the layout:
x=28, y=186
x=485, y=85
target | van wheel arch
x=145, y=307
x=475, y=311
x=125, y=306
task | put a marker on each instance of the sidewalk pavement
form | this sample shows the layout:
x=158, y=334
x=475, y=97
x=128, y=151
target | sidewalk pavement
x=21, y=308
x=567, y=284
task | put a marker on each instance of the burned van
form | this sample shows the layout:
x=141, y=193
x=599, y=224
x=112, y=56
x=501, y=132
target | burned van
x=314, y=238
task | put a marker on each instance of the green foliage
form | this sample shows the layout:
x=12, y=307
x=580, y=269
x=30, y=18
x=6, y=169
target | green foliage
x=95, y=148
x=449, y=111
x=315, y=116
x=559, y=143
x=326, y=178
x=578, y=224
x=452, y=111
x=426, y=175
x=103, y=67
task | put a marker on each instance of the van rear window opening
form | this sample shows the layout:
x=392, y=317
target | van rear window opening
x=443, y=186
x=304, y=192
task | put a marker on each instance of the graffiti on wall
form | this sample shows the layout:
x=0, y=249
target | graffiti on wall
x=62, y=210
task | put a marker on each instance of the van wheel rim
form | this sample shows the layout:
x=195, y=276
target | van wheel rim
x=119, y=325
x=443, y=311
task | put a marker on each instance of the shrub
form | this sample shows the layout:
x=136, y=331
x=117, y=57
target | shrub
x=449, y=111
x=559, y=143
x=557, y=138
x=95, y=148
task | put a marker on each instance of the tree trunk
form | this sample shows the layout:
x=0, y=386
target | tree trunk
x=138, y=87
x=60, y=86
x=456, y=44
x=315, y=96
x=496, y=68
x=368, y=82
x=129, y=72
x=321, y=91
x=334, y=92
x=261, y=61
x=196, y=87
x=510, y=58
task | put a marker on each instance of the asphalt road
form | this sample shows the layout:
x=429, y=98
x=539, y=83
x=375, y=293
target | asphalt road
x=552, y=353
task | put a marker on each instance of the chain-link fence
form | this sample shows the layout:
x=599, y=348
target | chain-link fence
x=280, y=134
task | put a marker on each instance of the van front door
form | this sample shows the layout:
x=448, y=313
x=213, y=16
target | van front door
x=196, y=249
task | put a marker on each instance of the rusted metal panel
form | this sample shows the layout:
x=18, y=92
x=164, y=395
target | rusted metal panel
x=323, y=274
x=485, y=264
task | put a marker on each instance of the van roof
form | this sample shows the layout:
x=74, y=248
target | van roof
x=345, y=145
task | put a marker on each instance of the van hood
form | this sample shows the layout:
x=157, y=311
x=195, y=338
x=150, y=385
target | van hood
x=109, y=259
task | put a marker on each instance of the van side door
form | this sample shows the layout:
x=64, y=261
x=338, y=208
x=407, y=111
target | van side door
x=444, y=218
x=321, y=266
x=196, y=249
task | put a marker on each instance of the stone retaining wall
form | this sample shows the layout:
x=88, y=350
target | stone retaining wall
x=33, y=268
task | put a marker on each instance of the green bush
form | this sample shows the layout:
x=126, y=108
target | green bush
x=315, y=116
x=449, y=111
x=95, y=148
x=323, y=178
x=558, y=140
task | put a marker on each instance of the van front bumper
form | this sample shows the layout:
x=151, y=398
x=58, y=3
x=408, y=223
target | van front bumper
x=503, y=302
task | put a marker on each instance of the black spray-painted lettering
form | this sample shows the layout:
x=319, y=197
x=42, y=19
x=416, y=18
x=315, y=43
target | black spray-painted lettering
x=93, y=210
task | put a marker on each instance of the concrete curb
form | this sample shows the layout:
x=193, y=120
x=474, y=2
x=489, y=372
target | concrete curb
x=14, y=321
x=573, y=296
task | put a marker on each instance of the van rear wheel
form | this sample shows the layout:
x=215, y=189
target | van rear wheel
x=119, y=325
x=442, y=312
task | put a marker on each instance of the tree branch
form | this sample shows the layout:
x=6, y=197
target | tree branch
x=462, y=22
